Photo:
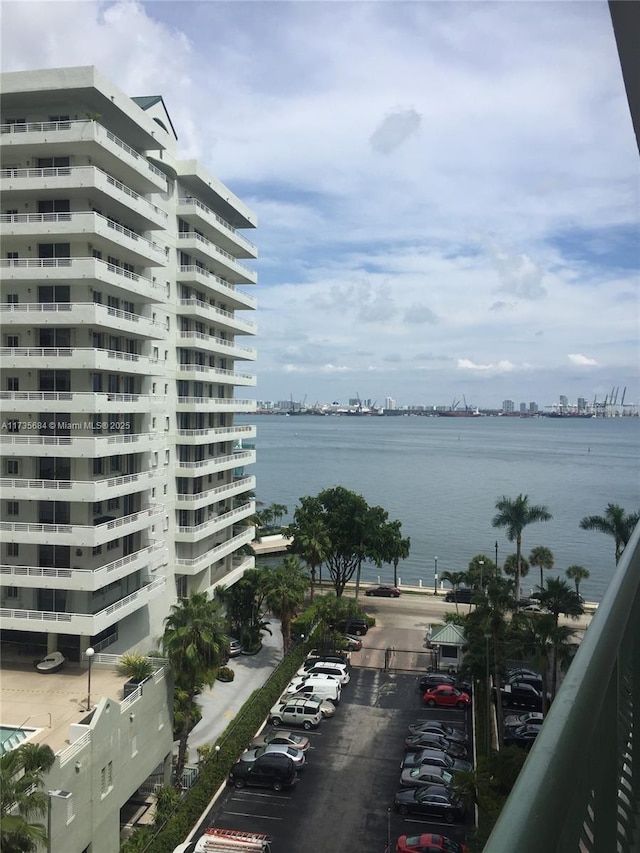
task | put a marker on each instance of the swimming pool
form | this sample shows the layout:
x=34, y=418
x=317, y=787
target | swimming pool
x=12, y=736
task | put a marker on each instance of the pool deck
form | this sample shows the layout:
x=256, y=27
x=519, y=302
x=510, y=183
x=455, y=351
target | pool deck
x=49, y=703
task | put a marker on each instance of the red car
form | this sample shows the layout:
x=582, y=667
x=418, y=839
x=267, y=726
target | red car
x=429, y=842
x=384, y=591
x=446, y=696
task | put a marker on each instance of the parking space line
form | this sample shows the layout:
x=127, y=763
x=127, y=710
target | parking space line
x=253, y=815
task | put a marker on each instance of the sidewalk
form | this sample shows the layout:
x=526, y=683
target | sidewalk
x=221, y=703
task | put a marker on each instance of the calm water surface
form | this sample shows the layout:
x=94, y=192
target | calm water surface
x=441, y=477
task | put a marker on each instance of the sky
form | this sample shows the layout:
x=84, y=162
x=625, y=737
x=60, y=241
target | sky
x=447, y=193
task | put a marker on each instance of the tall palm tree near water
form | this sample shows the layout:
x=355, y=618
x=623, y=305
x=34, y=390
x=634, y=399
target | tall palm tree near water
x=514, y=515
x=285, y=588
x=542, y=558
x=616, y=523
x=311, y=543
x=194, y=641
x=23, y=801
x=577, y=574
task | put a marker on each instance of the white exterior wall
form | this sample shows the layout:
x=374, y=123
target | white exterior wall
x=137, y=324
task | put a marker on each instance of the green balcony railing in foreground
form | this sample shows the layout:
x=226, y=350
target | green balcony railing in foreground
x=579, y=789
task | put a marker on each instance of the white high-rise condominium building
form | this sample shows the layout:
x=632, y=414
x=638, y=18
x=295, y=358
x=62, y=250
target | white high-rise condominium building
x=123, y=365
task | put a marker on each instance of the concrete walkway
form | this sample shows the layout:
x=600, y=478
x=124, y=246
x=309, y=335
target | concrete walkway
x=221, y=703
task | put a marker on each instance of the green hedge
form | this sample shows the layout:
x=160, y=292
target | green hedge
x=215, y=769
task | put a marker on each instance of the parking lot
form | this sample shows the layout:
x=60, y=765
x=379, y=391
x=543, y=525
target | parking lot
x=343, y=801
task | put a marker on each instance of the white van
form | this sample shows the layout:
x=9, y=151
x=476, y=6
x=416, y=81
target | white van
x=335, y=670
x=325, y=687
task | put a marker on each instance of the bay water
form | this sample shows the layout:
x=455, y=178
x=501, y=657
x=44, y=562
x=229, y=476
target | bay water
x=441, y=477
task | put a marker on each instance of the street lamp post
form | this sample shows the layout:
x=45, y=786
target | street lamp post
x=481, y=564
x=58, y=795
x=435, y=577
x=487, y=637
x=496, y=555
x=89, y=653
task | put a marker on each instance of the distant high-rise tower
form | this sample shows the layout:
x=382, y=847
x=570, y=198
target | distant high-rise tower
x=508, y=406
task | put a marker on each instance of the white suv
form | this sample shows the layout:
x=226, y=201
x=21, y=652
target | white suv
x=296, y=712
x=335, y=670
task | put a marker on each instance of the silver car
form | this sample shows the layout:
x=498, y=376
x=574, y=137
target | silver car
x=425, y=774
x=277, y=736
x=296, y=755
x=327, y=708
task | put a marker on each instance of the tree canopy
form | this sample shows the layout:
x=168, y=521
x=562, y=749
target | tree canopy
x=615, y=522
x=514, y=514
x=23, y=801
x=284, y=588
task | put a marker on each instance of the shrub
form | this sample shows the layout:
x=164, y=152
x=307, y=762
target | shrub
x=225, y=673
x=135, y=666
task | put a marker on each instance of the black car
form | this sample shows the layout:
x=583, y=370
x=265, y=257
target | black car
x=435, y=758
x=271, y=770
x=523, y=736
x=312, y=662
x=526, y=678
x=433, y=801
x=439, y=728
x=354, y=625
x=428, y=740
x=519, y=694
x=433, y=679
x=462, y=596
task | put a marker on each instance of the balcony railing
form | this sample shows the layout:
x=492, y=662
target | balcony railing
x=578, y=790
x=189, y=200
x=192, y=302
x=220, y=284
x=211, y=249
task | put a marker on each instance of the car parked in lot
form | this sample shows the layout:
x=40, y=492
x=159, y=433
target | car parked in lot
x=327, y=657
x=434, y=679
x=526, y=678
x=327, y=707
x=425, y=774
x=439, y=728
x=234, y=647
x=296, y=755
x=429, y=842
x=268, y=771
x=357, y=625
x=337, y=671
x=278, y=736
x=519, y=694
x=326, y=686
x=445, y=696
x=426, y=740
x=383, y=591
x=436, y=758
x=296, y=712
x=528, y=718
x=523, y=736
x=434, y=801
x=354, y=644
x=520, y=671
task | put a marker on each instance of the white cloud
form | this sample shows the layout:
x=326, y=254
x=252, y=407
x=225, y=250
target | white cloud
x=582, y=360
x=500, y=367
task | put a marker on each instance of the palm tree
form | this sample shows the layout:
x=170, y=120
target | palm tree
x=616, y=523
x=577, y=574
x=542, y=558
x=455, y=579
x=510, y=566
x=278, y=511
x=311, y=543
x=194, y=641
x=285, y=588
x=23, y=801
x=514, y=515
x=558, y=597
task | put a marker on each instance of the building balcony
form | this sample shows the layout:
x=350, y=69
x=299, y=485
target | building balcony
x=81, y=314
x=225, y=235
x=213, y=525
x=229, y=490
x=195, y=565
x=79, y=358
x=215, y=404
x=78, y=535
x=214, y=434
x=199, y=277
x=92, y=270
x=224, y=319
x=81, y=226
x=200, y=372
x=76, y=402
x=77, y=182
x=80, y=446
x=85, y=138
x=85, y=624
x=211, y=344
x=217, y=463
x=79, y=490
x=218, y=260
x=147, y=560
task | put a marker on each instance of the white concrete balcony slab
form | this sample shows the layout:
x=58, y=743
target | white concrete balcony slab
x=195, y=565
x=227, y=577
x=214, y=524
x=78, y=535
x=229, y=490
x=91, y=139
x=218, y=260
x=51, y=270
x=75, y=402
x=215, y=404
x=196, y=276
x=215, y=434
x=202, y=373
x=79, y=226
x=147, y=560
x=79, y=358
x=81, y=314
x=79, y=490
x=80, y=446
x=86, y=624
x=211, y=344
x=224, y=319
x=77, y=182
x=218, y=463
x=225, y=235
